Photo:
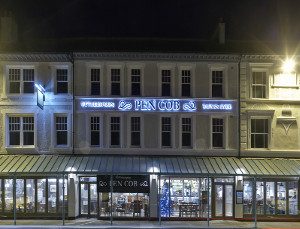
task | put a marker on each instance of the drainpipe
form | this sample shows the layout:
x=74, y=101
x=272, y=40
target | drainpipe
x=239, y=107
x=73, y=103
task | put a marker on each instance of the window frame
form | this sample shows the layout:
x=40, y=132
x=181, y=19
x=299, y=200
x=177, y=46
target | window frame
x=69, y=130
x=172, y=131
x=225, y=129
x=260, y=67
x=89, y=131
x=141, y=67
x=108, y=128
x=269, y=119
x=54, y=77
x=166, y=66
x=224, y=69
x=141, y=131
x=6, y=127
x=122, y=76
x=191, y=68
x=193, y=131
x=89, y=67
x=6, y=83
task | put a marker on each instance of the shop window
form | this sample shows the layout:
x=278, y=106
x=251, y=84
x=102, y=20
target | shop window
x=30, y=195
x=259, y=84
x=61, y=81
x=61, y=123
x=8, y=193
x=166, y=132
x=293, y=197
x=259, y=133
x=186, y=138
x=135, y=129
x=115, y=127
x=1, y=195
x=217, y=133
x=95, y=81
x=21, y=81
x=20, y=206
x=115, y=82
x=281, y=198
x=248, y=197
x=135, y=81
x=63, y=195
x=185, y=83
x=41, y=195
x=260, y=200
x=270, y=198
x=52, y=195
x=21, y=131
x=165, y=82
x=95, y=131
x=217, y=84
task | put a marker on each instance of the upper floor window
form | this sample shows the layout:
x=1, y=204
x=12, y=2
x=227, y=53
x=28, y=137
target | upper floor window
x=21, y=80
x=135, y=81
x=135, y=128
x=259, y=133
x=21, y=131
x=165, y=82
x=166, y=132
x=61, y=81
x=259, y=84
x=186, y=83
x=186, y=138
x=61, y=125
x=95, y=81
x=115, y=81
x=115, y=131
x=217, y=84
x=217, y=133
x=95, y=131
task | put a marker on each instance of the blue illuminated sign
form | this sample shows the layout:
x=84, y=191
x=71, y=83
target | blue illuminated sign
x=155, y=105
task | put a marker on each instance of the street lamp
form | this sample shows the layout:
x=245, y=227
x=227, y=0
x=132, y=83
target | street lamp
x=288, y=66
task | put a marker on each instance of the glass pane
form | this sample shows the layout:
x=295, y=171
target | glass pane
x=165, y=202
x=260, y=197
x=84, y=201
x=228, y=200
x=41, y=195
x=281, y=198
x=93, y=198
x=248, y=193
x=219, y=200
x=52, y=195
x=20, y=195
x=1, y=195
x=293, y=197
x=270, y=198
x=8, y=192
x=30, y=196
x=60, y=194
x=104, y=204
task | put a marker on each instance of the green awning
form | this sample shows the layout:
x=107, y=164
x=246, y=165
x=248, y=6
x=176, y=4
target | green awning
x=164, y=165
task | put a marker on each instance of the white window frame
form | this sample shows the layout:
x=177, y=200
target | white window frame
x=166, y=66
x=191, y=68
x=88, y=73
x=225, y=131
x=224, y=69
x=141, y=131
x=54, y=77
x=8, y=114
x=111, y=66
x=6, y=79
x=193, y=131
x=260, y=67
x=88, y=134
x=172, y=131
x=69, y=130
x=269, y=118
x=129, y=85
x=108, y=131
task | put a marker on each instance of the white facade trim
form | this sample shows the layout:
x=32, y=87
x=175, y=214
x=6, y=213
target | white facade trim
x=94, y=65
x=224, y=69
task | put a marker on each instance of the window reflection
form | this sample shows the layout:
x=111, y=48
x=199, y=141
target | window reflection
x=30, y=195
x=20, y=195
x=41, y=195
x=8, y=193
x=52, y=195
x=281, y=198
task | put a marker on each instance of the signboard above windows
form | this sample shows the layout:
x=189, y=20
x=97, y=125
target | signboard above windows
x=155, y=105
x=286, y=80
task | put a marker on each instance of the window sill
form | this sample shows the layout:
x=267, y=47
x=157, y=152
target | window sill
x=286, y=86
x=20, y=147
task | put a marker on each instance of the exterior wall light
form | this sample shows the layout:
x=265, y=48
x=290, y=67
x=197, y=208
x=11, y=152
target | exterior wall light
x=40, y=95
x=288, y=66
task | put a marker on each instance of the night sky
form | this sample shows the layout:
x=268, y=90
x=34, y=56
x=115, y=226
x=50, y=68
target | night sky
x=245, y=19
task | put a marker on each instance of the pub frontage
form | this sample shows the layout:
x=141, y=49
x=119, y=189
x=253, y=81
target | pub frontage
x=152, y=188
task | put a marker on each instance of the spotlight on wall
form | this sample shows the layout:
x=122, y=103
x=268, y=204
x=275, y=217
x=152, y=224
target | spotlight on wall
x=288, y=66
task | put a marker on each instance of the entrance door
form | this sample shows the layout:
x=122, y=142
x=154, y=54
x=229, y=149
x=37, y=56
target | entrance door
x=88, y=200
x=223, y=200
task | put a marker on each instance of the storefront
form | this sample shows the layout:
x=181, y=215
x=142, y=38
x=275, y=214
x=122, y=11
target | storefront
x=153, y=188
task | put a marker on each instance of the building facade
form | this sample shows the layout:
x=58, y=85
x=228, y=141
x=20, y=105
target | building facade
x=148, y=135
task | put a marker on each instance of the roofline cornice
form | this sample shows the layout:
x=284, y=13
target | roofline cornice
x=36, y=57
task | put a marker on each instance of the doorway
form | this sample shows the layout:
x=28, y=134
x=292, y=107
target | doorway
x=88, y=199
x=223, y=200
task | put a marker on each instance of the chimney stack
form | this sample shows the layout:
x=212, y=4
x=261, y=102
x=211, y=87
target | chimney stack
x=221, y=30
x=8, y=28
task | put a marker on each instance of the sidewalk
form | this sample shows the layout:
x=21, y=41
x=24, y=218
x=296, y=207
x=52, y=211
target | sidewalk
x=94, y=223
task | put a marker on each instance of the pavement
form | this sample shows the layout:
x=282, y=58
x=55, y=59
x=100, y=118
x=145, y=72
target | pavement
x=95, y=223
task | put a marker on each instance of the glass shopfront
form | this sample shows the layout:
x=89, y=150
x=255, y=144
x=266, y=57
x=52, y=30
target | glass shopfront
x=184, y=197
x=272, y=197
x=34, y=196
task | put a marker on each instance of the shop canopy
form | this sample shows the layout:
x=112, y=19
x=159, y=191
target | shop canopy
x=23, y=165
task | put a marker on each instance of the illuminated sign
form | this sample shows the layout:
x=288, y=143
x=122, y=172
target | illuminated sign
x=40, y=96
x=155, y=105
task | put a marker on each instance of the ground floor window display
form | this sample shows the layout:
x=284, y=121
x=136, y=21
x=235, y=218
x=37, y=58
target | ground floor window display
x=273, y=197
x=33, y=196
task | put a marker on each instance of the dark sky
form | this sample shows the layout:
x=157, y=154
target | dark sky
x=245, y=19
